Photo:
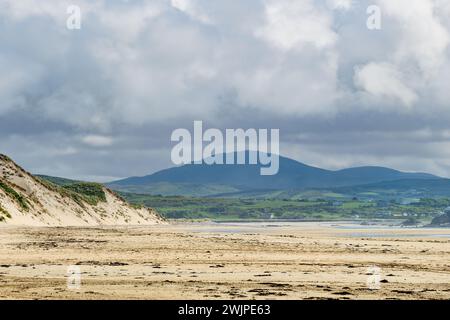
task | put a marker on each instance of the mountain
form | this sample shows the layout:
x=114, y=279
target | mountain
x=33, y=201
x=207, y=180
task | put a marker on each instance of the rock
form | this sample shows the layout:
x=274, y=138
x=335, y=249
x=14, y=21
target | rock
x=441, y=221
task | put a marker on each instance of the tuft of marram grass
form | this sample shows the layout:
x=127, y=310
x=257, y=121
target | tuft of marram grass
x=4, y=214
x=20, y=199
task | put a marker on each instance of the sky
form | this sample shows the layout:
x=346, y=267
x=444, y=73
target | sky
x=100, y=102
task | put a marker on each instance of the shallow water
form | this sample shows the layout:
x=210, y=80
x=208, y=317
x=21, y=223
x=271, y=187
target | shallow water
x=355, y=229
x=399, y=235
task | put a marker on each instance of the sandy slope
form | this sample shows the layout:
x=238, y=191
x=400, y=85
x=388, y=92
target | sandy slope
x=305, y=261
x=48, y=207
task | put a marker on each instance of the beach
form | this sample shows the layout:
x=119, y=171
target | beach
x=310, y=260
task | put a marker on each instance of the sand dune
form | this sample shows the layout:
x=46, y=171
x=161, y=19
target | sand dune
x=29, y=201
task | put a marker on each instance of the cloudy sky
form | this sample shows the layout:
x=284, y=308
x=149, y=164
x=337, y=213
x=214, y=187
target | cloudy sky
x=101, y=102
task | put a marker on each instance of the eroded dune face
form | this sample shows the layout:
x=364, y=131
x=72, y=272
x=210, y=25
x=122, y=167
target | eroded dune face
x=27, y=200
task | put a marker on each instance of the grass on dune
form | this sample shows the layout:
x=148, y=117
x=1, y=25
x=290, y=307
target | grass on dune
x=80, y=192
x=20, y=199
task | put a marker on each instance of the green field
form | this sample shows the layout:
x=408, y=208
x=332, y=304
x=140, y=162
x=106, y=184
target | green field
x=177, y=207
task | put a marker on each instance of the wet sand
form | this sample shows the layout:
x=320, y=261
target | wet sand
x=226, y=261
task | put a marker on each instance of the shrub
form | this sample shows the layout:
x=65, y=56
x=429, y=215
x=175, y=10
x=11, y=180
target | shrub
x=14, y=195
x=92, y=192
x=4, y=213
x=80, y=192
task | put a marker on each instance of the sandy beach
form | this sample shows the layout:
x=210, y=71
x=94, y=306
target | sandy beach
x=226, y=261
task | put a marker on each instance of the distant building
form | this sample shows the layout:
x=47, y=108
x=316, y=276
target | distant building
x=409, y=201
x=383, y=213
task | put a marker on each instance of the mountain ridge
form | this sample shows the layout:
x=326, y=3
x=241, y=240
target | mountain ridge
x=292, y=175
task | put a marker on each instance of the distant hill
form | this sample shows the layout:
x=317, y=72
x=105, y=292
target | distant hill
x=208, y=180
x=57, y=180
x=32, y=201
x=387, y=190
x=407, y=187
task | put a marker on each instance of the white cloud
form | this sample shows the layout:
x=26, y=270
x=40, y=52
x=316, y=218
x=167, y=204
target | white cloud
x=422, y=38
x=293, y=24
x=383, y=80
x=97, y=141
x=57, y=10
x=340, y=4
x=192, y=8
